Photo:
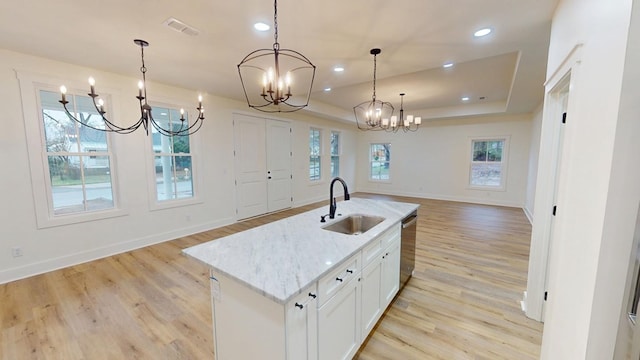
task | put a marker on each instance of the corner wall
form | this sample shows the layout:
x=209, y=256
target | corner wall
x=434, y=162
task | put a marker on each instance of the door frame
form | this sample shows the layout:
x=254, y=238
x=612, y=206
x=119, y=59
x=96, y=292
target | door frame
x=549, y=182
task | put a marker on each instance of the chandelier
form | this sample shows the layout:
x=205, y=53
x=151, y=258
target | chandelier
x=370, y=115
x=410, y=123
x=146, y=116
x=279, y=72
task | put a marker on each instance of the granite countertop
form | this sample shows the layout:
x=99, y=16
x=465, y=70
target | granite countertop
x=280, y=259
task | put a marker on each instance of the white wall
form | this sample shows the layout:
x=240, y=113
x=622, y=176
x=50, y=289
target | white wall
x=597, y=196
x=434, y=161
x=46, y=249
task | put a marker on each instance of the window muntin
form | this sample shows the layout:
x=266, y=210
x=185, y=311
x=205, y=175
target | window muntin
x=173, y=163
x=379, y=161
x=315, y=151
x=335, y=154
x=78, y=158
x=487, y=163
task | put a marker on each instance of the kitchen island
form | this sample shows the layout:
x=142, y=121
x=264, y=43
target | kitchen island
x=294, y=290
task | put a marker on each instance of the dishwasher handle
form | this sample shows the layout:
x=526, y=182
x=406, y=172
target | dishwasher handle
x=409, y=221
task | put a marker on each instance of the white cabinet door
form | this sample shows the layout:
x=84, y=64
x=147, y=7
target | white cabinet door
x=339, y=335
x=372, y=297
x=302, y=327
x=390, y=272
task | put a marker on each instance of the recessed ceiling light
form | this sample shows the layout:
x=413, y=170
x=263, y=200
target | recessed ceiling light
x=338, y=69
x=260, y=26
x=327, y=89
x=465, y=98
x=447, y=65
x=482, y=32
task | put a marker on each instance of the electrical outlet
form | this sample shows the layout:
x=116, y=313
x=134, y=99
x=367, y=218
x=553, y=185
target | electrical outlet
x=16, y=252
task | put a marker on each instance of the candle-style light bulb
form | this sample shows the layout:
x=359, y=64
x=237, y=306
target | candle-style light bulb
x=140, y=87
x=63, y=91
x=418, y=120
x=92, y=82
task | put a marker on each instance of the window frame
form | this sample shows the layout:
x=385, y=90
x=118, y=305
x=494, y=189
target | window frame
x=318, y=156
x=336, y=155
x=503, y=163
x=30, y=87
x=371, y=160
x=154, y=203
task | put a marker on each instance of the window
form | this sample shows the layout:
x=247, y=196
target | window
x=335, y=154
x=379, y=160
x=315, y=149
x=78, y=158
x=173, y=165
x=487, y=163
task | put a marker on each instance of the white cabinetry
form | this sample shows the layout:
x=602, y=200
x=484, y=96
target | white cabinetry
x=390, y=273
x=328, y=320
x=380, y=277
x=302, y=326
x=247, y=325
x=339, y=324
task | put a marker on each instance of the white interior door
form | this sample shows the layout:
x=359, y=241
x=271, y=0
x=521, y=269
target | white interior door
x=263, y=165
x=278, y=165
x=250, y=166
x=561, y=97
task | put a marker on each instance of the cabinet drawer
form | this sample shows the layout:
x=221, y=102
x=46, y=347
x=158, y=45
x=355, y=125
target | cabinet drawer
x=390, y=235
x=337, y=278
x=304, y=298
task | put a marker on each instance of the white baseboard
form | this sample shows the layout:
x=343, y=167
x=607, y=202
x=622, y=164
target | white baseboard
x=523, y=302
x=528, y=214
x=48, y=265
x=444, y=197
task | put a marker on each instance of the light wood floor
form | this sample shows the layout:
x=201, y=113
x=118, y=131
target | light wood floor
x=154, y=303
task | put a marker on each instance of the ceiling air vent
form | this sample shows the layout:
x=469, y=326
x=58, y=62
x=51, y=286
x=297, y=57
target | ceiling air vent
x=181, y=27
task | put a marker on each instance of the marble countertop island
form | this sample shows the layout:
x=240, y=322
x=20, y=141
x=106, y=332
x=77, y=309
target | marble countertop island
x=281, y=258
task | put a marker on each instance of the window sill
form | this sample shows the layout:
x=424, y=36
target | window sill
x=487, y=188
x=70, y=219
x=175, y=203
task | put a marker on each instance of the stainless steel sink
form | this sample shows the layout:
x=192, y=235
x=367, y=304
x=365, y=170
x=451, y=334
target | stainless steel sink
x=355, y=224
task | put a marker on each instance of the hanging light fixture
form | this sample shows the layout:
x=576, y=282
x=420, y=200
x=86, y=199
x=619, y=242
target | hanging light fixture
x=410, y=123
x=277, y=72
x=374, y=114
x=146, y=116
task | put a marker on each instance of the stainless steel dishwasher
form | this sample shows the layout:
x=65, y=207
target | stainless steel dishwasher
x=408, y=247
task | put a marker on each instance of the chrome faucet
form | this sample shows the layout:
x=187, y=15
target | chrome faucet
x=332, y=200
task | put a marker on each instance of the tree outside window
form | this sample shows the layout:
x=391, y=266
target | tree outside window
x=335, y=154
x=380, y=161
x=487, y=168
x=172, y=158
x=315, y=150
x=78, y=157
